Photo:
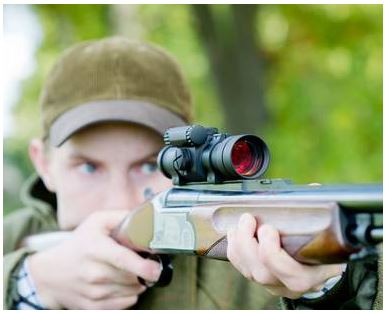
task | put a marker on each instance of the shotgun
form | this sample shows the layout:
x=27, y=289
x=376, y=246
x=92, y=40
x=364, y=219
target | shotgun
x=217, y=178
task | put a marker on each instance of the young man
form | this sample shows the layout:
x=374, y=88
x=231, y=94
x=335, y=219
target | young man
x=105, y=107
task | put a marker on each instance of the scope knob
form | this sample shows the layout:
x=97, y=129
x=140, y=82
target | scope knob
x=188, y=136
x=197, y=135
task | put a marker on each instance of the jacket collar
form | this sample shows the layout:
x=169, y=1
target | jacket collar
x=35, y=194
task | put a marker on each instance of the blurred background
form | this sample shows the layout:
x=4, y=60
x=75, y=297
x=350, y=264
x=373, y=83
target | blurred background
x=307, y=78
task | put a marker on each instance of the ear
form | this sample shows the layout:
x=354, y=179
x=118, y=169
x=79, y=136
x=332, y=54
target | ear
x=40, y=159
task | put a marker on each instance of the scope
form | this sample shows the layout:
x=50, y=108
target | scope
x=195, y=154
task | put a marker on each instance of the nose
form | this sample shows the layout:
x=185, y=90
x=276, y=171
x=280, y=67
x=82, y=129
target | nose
x=124, y=193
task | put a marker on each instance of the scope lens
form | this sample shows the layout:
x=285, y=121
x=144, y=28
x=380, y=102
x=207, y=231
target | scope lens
x=245, y=159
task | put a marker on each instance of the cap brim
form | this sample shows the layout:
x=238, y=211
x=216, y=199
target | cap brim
x=147, y=114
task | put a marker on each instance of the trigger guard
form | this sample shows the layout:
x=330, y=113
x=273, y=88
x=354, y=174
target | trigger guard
x=166, y=270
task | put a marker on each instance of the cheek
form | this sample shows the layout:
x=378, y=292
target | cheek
x=157, y=182
x=76, y=199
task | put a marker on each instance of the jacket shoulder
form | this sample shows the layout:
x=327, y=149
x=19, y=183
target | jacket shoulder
x=24, y=222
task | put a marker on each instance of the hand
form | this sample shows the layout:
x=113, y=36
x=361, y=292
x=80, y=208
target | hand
x=265, y=262
x=90, y=270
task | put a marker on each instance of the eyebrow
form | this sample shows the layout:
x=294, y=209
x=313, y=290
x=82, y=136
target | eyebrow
x=80, y=155
x=146, y=158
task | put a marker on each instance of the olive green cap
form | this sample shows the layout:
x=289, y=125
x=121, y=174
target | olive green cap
x=113, y=79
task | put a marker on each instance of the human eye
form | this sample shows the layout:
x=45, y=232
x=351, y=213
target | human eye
x=88, y=168
x=149, y=167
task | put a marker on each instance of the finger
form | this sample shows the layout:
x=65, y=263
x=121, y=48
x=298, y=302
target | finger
x=282, y=291
x=126, y=260
x=233, y=254
x=111, y=304
x=277, y=258
x=110, y=291
x=234, y=248
x=241, y=242
x=244, y=235
x=251, y=253
x=246, y=248
x=296, y=276
x=247, y=225
x=104, y=273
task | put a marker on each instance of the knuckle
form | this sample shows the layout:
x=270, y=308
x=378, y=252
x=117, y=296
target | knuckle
x=262, y=278
x=92, y=274
x=298, y=285
x=95, y=294
x=88, y=251
x=85, y=274
x=98, y=277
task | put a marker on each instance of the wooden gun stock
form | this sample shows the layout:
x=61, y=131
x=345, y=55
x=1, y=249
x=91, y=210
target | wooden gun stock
x=311, y=232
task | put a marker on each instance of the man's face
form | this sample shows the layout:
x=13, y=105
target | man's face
x=104, y=167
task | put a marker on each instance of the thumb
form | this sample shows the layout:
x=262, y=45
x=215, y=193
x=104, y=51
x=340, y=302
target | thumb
x=107, y=220
x=247, y=225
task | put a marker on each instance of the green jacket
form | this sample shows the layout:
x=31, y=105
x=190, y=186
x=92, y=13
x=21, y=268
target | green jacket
x=197, y=283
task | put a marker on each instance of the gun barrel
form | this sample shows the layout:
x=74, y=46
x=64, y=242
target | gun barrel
x=352, y=197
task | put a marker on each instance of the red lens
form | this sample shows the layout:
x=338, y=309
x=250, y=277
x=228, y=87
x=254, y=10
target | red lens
x=244, y=159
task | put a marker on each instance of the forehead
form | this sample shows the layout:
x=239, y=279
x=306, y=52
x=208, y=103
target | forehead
x=108, y=139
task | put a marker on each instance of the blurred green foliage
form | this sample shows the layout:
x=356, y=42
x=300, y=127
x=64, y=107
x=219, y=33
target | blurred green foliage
x=323, y=78
x=325, y=91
